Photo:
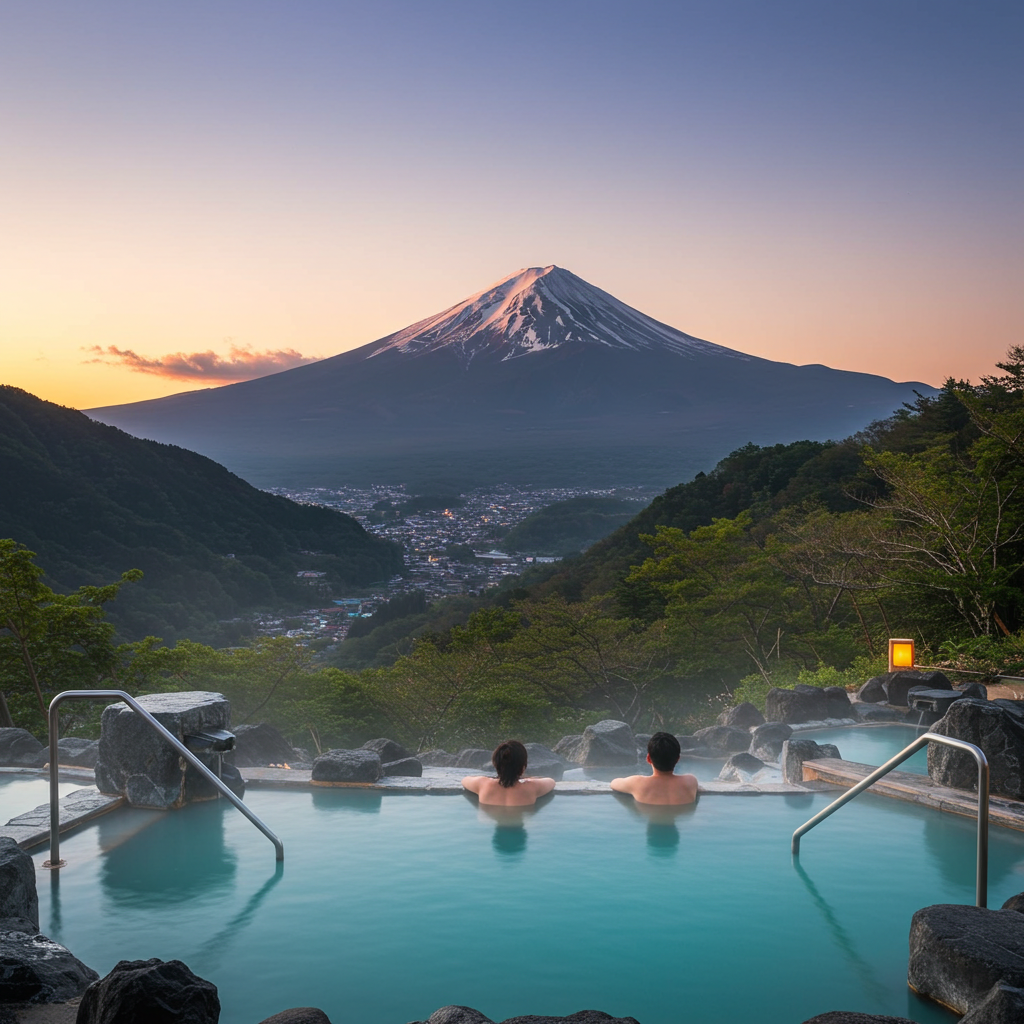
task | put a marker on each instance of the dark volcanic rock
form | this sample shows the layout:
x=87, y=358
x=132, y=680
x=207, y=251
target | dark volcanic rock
x=1004, y=1004
x=35, y=969
x=543, y=762
x=408, y=766
x=898, y=684
x=151, y=991
x=977, y=690
x=997, y=727
x=579, y=1017
x=795, y=752
x=436, y=759
x=232, y=778
x=473, y=757
x=837, y=702
x=257, y=746
x=766, y=740
x=957, y=953
x=347, y=766
x=739, y=766
x=606, y=744
x=742, y=716
x=298, y=1015
x=389, y=750
x=877, y=713
x=136, y=762
x=19, y=748
x=19, y=905
x=872, y=692
x=1014, y=903
x=688, y=742
x=569, y=747
x=458, y=1015
x=725, y=739
x=807, y=704
x=852, y=1017
x=77, y=752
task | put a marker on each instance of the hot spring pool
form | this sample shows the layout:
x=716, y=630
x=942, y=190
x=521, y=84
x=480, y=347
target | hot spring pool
x=391, y=905
x=21, y=793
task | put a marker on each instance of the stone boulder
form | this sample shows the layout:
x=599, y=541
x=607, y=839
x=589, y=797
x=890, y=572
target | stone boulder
x=742, y=716
x=872, y=692
x=19, y=905
x=688, y=742
x=795, y=752
x=837, y=702
x=740, y=768
x=1014, y=903
x=997, y=727
x=458, y=1015
x=579, y=1017
x=1004, y=1004
x=77, y=751
x=723, y=739
x=543, y=762
x=137, y=763
x=877, y=713
x=35, y=969
x=852, y=1017
x=801, y=704
x=766, y=740
x=898, y=684
x=959, y=953
x=154, y=991
x=20, y=749
x=606, y=744
x=568, y=747
x=298, y=1015
x=436, y=759
x=258, y=746
x=976, y=690
x=473, y=757
x=389, y=750
x=347, y=766
x=407, y=766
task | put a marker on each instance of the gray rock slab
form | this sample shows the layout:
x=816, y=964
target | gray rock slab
x=608, y=743
x=298, y=1015
x=742, y=716
x=346, y=766
x=473, y=757
x=998, y=729
x=1004, y=1004
x=723, y=739
x=852, y=1017
x=19, y=904
x=898, y=684
x=389, y=750
x=801, y=704
x=407, y=766
x=766, y=740
x=958, y=953
x=35, y=969
x=33, y=827
x=151, y=991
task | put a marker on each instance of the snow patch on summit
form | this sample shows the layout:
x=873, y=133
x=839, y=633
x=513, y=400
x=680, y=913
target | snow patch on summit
x=537, y=309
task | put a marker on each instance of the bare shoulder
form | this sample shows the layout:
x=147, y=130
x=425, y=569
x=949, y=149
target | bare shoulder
x=626, y=785
x=540, y=785
x=474, y=782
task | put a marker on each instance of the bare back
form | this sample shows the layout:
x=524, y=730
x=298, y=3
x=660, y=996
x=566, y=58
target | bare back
x=659, y=788
x=522, y=794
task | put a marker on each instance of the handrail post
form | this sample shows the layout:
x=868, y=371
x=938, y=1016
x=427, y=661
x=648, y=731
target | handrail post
x=981, y=871
x=54, y=724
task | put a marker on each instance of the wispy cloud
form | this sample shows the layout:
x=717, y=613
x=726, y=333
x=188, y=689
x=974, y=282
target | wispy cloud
x=241, y=362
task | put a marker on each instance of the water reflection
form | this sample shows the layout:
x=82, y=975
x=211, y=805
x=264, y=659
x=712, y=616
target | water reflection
x=509, y=839
x=951, y=842
x=338, y=798
x=178, y=857
x=662, y=823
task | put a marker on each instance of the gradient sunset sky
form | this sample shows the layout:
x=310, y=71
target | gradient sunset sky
x=196, y=192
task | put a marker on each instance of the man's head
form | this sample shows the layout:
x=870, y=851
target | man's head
x=509, y=760
x=663, y=751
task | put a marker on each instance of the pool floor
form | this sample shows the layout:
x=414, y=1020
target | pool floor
x=389, y=906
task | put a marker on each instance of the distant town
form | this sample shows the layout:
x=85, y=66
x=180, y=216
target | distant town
x=448, y=550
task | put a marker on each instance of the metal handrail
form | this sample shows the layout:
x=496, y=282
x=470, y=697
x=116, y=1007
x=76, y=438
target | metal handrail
x=981, y=877
x=55, y=862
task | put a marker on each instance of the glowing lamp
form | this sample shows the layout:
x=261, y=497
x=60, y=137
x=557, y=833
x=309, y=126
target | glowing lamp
x=901, y=655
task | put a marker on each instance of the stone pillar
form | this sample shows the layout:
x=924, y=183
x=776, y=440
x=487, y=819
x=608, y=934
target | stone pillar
x=136, y=762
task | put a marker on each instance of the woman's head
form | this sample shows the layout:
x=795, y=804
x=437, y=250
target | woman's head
x=509, y=760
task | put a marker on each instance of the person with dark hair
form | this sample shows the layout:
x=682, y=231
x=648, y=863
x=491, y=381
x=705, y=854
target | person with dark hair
x=510, y=788
x=664, y=786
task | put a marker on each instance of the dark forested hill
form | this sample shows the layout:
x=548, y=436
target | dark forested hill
x=92, y=502
x=570, y=525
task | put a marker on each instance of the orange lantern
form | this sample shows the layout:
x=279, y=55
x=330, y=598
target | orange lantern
x=901, y=655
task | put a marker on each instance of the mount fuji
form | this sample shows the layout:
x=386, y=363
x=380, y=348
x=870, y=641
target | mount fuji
x=540, y=379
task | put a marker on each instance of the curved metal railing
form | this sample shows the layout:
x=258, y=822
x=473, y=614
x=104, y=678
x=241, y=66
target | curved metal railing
x=54, y=718
x=981, y=877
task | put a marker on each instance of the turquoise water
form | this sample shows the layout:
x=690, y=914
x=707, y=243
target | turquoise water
x=21, y=793
x=874, y=744
x=389, y=906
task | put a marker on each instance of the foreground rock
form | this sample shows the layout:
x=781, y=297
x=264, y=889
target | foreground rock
x=35, y=969
x=766, y=740
x=347, y=766
x=740, y=768
x=801, y=704
x=154, y=991
x=742, y=716
x=259, y=746
x=959, y=954
x=795, y=752
x=298, y=1015
x=137, y=763
x=997, y=727
x=19, y=904
x=852, y=1017
x=609, y=744
x=20, y=749
x=467, y=1015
